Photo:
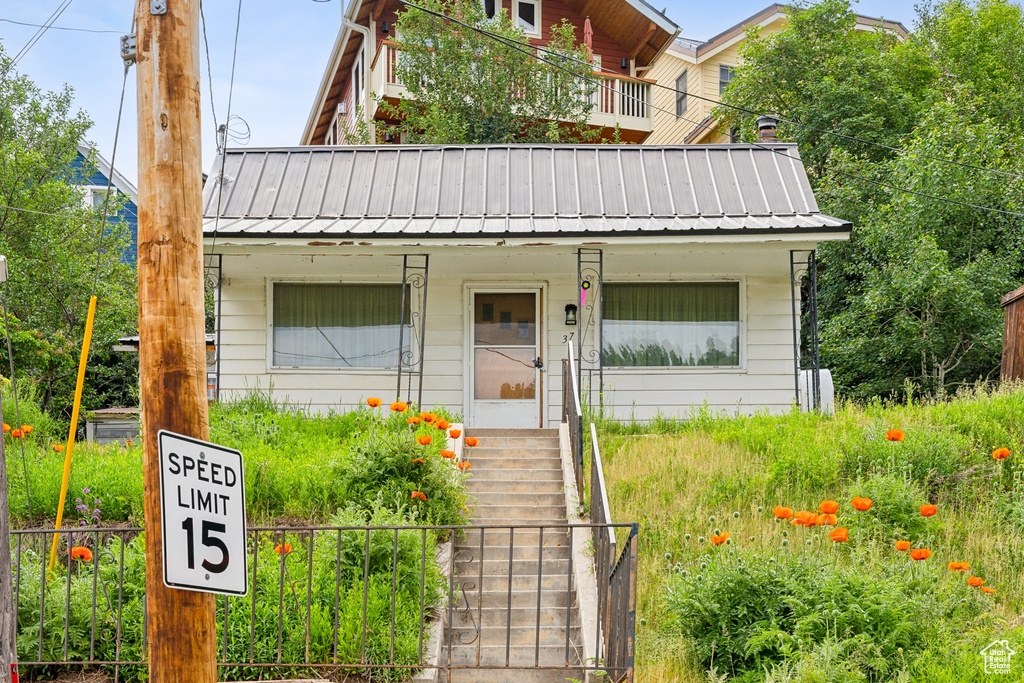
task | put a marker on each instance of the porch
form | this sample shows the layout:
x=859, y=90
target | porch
x=457, y=275
x=618, y=100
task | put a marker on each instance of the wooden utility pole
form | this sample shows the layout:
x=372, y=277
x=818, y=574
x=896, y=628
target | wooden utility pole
x=172, y=346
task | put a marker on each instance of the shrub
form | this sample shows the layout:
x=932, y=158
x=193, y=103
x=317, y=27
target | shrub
x=895, y=510
x=746, y=615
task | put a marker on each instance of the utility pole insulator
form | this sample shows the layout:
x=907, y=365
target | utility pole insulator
x=128, y=49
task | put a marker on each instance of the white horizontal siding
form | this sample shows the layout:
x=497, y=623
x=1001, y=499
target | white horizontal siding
x=763, y=383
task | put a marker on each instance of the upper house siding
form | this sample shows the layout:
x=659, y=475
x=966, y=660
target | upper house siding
x=703, y=64
x=628, y=33
x=127, y=214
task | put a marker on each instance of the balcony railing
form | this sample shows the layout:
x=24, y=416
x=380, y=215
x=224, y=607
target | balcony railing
x=617, y=100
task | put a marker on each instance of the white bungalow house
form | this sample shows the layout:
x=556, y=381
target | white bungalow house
x=459, y=275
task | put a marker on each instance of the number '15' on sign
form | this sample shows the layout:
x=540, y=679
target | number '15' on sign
x=202, y=499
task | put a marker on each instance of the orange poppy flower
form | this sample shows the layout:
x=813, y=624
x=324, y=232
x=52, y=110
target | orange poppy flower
x=7, y=427
x=781, y=512
x=975, y=581
x=16, y=434
x=928, y=510
x=903, y=546
x=920, y=554
x=373, y=402
x=464, y=465
x=285, y=549
x=448, y=454
x=839, y=535
x=128, y=443
x=424, y=440
x=895, y=435
x=1001, y=453
x=986, y=589
x=399, y=407
x=80, y=552
x=417, y=461
x=828, y=507
x=428, y=417
x=719, y=539
x=959, y=566
x=861, y=504
x=471, y=441
x=59, y=447
x=26, y=429
x=455, y=433
x=442, y=424
x=414, y=420
x=803, y=518
x=418, y=495
x=828, y=520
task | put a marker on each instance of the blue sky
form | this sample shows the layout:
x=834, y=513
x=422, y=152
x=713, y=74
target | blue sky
x=283, y=48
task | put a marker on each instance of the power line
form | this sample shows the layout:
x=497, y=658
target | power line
x=43, y=28
x=222, y=138
x=526, y=49
x=209, y=66
x=60, y=28
x=110, y=178
x=41, y=213
x=727, y=105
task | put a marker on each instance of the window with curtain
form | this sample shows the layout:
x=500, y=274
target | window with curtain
x=338, y=325
x=670, y=324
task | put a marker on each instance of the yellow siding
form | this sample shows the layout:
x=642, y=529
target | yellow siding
x=668, y=128
x=702, y=80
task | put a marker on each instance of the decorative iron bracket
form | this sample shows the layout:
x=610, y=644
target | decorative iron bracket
x=803, y=275
x=590, y=281
x=414, y=309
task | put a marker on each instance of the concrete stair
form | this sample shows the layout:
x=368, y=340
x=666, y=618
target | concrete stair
x=502, y=619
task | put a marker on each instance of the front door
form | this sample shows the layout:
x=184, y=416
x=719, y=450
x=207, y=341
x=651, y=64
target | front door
x=505, y=359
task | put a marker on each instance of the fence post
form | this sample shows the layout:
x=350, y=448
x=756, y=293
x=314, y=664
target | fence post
x=8, y=634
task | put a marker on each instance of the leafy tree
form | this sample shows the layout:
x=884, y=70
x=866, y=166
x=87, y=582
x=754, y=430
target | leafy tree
x=57, y=253
x=914, y=294
x=467, y=88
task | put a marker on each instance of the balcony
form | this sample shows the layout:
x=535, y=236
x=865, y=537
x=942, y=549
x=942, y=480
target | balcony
x=618, y=101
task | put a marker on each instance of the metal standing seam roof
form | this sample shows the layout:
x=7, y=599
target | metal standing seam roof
x=391, y=191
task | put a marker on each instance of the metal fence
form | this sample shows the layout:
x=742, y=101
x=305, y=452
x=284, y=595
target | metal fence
x=615, y=565
x=572, y=415
x=616, y=570
x=354, y=599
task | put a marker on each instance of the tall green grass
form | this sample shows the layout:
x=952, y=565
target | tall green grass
x=705, y=613
x=298, y=467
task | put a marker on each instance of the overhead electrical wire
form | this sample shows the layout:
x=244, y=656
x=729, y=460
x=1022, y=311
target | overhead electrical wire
x=222, y=135
x=60, y=28
x=43, y=28
x=825, y=131
x=527, y=49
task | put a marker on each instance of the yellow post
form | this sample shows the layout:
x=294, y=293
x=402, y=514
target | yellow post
x=73, y=428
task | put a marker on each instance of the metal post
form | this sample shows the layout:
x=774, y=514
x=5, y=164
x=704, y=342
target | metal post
x=812, y=310
x=8, y=613
x=793, y=289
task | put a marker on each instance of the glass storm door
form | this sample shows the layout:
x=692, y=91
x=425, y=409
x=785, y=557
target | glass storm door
x=505, y=358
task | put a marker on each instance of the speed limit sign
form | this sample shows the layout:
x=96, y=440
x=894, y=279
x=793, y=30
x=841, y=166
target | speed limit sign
x=202, y=500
